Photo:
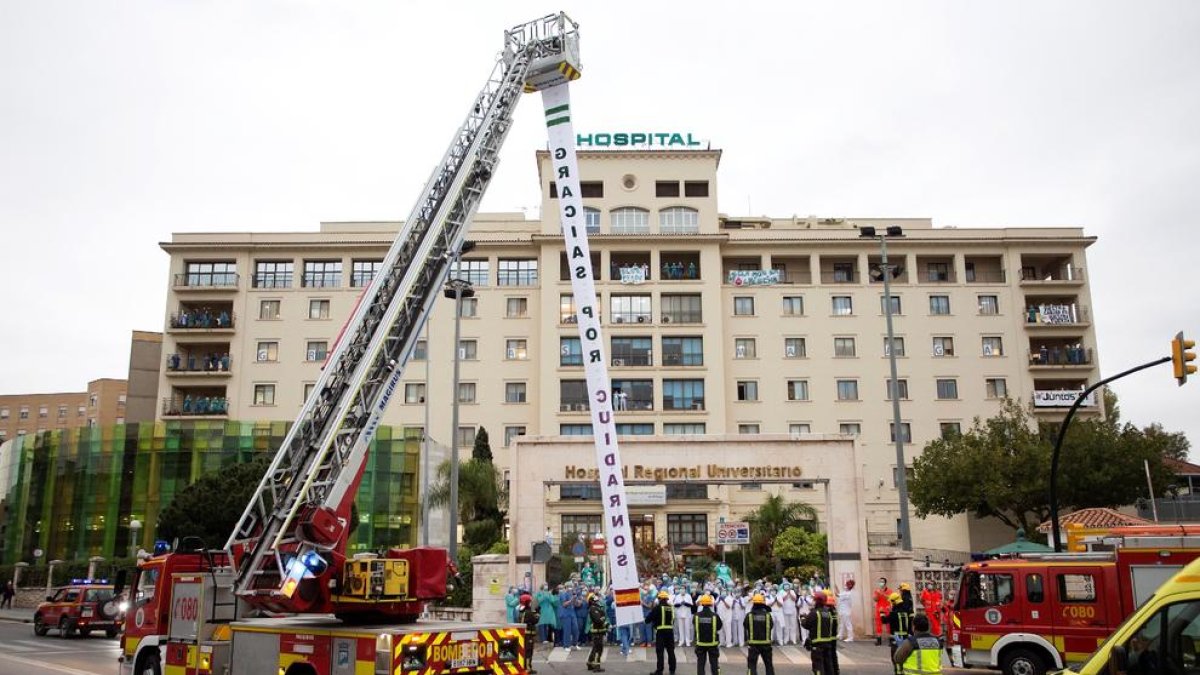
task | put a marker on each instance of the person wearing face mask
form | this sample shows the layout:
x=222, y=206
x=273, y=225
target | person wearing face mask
x=511, y=600
x=791, y=625
x=682, y=601
x=548, y=623
x=737, y=632
x=883, y=607
x=724, y=605
x=648, y=594
x=805, y=603
x=775, y=602
x=566, y=609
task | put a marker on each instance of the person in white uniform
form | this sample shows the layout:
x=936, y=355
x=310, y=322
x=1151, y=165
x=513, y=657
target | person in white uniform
x=725, y=614
x=845, y=601
x=683, y=616
x=791, y=626
x=804, y=607
x=775, y=602
x=737, y=635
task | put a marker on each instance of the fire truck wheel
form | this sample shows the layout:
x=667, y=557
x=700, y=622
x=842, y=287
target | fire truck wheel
x=85, y=632
x=1023, y=662
x=112, y=632
x=150, y=664
x=66, y=629
x=39, y=626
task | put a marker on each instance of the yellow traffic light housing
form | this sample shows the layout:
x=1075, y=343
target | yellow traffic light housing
x=1180, y=357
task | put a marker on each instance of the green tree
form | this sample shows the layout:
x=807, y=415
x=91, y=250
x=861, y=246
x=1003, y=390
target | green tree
x=768, y=521
x=1000, y=468
x=798, y=546
x=210, y=507
x=482, y=500
x=483, y=449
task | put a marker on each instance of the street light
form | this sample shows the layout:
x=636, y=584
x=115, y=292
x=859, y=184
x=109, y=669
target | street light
x=456, y=289
x=135, y=526
x=885, y=272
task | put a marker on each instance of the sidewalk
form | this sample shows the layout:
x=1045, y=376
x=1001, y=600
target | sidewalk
x=17, y=615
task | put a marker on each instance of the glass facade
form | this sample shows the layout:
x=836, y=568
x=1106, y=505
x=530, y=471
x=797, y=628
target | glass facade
x=72, y=493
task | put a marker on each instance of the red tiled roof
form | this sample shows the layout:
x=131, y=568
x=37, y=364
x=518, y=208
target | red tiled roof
x=1096, y=518
x=1180, y=467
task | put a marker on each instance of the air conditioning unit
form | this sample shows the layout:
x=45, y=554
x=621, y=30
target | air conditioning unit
x=666, y=318
x=620, y=319
x=618, y=362
x=642, y=318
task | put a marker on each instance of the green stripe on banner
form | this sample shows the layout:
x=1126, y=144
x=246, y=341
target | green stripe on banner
x=561, y=120
x=557, y=109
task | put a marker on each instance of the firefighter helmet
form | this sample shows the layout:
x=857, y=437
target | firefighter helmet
x=706, y=600
x=758, y=599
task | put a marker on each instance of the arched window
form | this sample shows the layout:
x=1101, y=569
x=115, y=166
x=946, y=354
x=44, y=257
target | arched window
x=679, y=220
x=630, y=220
x=591, y=218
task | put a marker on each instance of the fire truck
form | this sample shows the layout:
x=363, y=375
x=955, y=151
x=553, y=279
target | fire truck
x=284, y=597
x=1028, y=614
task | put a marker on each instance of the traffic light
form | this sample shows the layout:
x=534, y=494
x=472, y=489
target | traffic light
x=1181, y=355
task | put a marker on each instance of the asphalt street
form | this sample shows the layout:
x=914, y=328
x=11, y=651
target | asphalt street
x=23, y=653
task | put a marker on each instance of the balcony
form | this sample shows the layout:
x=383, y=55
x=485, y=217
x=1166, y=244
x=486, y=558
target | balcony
x=217, y=320
x=632, y=317
x=1057, y=315
x=211, y=364
x=671, y=403
x=199, y=406
x=839, y=277
x=792, y=270
x=205, y=281
x=984, y=269
x=1061, y=356
x=679, y=266
x=1042, y=271
x=936, y=269
x=627, y=403
x=622, y=360
x=573, y=405
x=683, y=316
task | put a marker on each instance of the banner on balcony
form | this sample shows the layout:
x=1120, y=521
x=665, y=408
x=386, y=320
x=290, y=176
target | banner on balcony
x=633, y=275
x=754, y=277
x=617, y=531
x=1057, y=314
x=1056, y=398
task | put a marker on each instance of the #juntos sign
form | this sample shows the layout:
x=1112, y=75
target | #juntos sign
x=754, y=277
x=1056, y=398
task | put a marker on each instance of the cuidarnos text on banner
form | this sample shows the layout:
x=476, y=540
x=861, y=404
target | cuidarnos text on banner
x=557, y=104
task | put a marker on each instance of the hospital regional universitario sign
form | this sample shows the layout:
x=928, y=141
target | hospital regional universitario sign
x=693, y=472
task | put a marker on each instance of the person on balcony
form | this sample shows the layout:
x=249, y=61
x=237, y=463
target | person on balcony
x=187, y=404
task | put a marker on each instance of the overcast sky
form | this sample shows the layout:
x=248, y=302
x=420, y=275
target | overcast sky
x=123, y=121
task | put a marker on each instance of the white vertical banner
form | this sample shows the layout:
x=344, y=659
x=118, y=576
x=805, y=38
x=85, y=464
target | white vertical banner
x=617, y=532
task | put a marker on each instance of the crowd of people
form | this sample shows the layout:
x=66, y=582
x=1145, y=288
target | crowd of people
x=204, y=317
x=724, y=612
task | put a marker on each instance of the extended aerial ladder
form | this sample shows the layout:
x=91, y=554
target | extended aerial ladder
x=289, y=547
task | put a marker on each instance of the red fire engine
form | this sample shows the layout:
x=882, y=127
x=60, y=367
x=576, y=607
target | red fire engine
x=284, y=596
x=1025, y=615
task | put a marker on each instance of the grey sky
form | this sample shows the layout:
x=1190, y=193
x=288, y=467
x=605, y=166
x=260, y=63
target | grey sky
x=122, y=121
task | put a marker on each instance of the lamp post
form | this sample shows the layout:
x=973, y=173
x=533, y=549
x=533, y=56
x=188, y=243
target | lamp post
x=886, y=271
x=457, y=289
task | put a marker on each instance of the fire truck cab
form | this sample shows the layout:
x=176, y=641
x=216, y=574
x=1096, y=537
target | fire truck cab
x=1029, y=614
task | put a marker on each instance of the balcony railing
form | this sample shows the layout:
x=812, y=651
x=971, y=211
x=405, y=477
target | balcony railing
x=630, y=403
x=271, y=280
x=1057, y=315
x=222, y=280
x=203, y=319
x=986, y=277
x=193, y=407
x=573, y=405
x=633, y=317
x=1065, y=273
x=795, y=277
x=883, y=540
x=1061, y=356
x=839, y=277
x=683, y=359
x=683, y=317
x=677, y=271
x=633, y=360
x=199, y=363
x=694, y=403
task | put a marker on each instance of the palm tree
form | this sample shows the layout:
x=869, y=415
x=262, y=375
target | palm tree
x=774, y=516
x=482, y=495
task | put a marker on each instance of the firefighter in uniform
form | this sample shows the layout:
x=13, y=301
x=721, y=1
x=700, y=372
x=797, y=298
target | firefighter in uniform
x=706, y=627
x=527, y=614
x=899, y=622
x=599, y=619
x=758, y=624
x=921, y=653
x=662, y=620
x=822, y=628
